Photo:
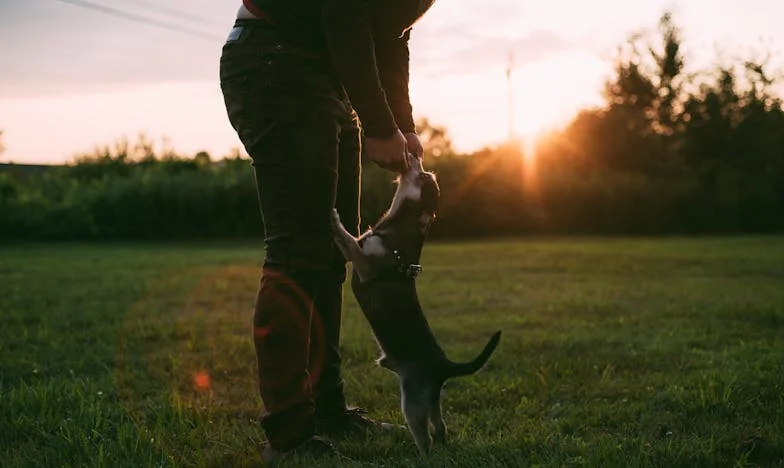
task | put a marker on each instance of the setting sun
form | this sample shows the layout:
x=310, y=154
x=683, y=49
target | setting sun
x=549, y=93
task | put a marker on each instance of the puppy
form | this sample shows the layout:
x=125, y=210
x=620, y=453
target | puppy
x=385, y=263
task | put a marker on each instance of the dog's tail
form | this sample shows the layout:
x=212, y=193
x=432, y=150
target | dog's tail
x=459, y=369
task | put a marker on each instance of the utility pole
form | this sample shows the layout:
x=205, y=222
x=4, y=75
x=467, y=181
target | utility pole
x=510, y=98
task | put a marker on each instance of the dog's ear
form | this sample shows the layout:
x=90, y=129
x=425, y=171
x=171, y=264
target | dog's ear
x=430, y=195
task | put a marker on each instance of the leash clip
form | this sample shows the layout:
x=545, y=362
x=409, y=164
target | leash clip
x=414, y=270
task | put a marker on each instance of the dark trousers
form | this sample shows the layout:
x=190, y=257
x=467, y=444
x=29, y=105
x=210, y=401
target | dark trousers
x=295, y=122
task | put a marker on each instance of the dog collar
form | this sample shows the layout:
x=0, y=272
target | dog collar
x=410, y=270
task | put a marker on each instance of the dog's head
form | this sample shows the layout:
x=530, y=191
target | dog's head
x=417, y=180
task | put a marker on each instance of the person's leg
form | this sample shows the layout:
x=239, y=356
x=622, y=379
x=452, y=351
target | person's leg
x=296, y=172
x=330, y=398
x=293, y=142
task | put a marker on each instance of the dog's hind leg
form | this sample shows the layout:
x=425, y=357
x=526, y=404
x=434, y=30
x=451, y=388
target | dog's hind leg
x=436, y=418
x=416, y=411
x=349, y=246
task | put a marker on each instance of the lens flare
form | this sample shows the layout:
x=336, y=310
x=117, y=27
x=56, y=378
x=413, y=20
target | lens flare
x=201, y=380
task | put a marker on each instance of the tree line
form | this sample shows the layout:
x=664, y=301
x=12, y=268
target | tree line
x=670, y=151
x=676, y=150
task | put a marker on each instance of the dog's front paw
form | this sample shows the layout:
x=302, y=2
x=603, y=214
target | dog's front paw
x=335, y=220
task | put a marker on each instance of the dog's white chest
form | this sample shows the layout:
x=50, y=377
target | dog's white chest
x=373, y=246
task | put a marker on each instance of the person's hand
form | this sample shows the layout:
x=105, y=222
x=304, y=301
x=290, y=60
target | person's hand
x=389, y=153
x=414, y=145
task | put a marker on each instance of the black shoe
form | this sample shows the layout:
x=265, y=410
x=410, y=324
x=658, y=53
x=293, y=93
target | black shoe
x=314, y=448
x=350, y=421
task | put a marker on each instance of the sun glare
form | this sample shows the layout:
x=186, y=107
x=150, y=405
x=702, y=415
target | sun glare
x=548, y=93
x=474, y=106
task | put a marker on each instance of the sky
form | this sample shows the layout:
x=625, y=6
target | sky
x=72, y=79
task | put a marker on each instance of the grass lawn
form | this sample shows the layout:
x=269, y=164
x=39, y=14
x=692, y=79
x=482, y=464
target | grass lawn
x=616, y=352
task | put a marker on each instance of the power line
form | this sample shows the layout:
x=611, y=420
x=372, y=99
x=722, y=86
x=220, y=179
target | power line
x=149, y=5
x=143, y=19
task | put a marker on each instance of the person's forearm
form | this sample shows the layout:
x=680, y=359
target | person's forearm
x=349, y=36
x=393, y=64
